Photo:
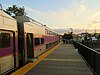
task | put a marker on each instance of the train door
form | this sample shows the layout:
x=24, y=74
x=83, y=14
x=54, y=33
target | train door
x=6, y=51
x=30, y=49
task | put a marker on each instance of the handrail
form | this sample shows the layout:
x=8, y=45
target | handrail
x=91, y=56
x=89, y=48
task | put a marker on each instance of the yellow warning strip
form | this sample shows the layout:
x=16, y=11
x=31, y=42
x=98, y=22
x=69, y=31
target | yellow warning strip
x=30, y=65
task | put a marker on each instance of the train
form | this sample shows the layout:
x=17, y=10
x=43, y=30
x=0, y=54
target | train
x=22, y=40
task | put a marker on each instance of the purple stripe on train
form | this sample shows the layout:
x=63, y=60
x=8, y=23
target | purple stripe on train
x=7, y=51
x=50, y=38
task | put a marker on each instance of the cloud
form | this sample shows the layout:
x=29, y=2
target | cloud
x=52, y=18
x=81, y=9
x=61, y=18
x=78, y=16
x=76, y=31
x=96, y=14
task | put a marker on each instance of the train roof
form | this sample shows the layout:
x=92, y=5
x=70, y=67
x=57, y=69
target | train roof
x=50, y=29
x=7, y=22
x=21, y=19
x=2, y=13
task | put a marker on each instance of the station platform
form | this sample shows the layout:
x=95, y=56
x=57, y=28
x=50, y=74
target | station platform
x=64, y=59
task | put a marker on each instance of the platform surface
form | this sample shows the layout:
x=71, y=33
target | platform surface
x=65, y=60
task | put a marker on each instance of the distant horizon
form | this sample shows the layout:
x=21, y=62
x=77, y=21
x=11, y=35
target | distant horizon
x=76, y=31
x=60, y=15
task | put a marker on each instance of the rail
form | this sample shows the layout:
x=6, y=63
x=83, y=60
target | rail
x=91, y=56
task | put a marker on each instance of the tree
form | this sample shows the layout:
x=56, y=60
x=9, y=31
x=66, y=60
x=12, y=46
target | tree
x=98, y=37
x=15, y=11
x=67, y=36
x=64, y=36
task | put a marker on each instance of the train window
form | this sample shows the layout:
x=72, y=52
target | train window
x=49, y=32
x=47, y=46
x=42, y=40
x=37, y=41
x=4, y=40
x=45, y=31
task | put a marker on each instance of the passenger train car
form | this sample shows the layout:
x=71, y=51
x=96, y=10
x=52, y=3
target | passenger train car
x=22, y=40
x=8, y=43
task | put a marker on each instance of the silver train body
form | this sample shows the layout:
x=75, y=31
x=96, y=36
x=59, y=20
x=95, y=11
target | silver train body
x=22, y=40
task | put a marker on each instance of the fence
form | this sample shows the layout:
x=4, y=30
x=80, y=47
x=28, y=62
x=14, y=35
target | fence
x=91, y=56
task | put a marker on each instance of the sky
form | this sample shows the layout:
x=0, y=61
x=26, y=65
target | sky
x=62, y=15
